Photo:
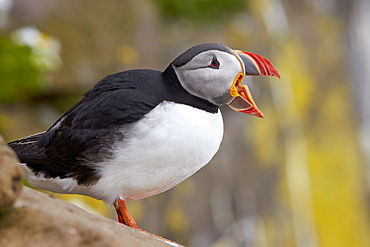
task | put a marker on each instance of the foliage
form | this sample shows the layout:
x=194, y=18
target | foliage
x=201, y=11
x=20, y=76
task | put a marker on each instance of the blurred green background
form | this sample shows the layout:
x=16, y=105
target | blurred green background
x=300, y=177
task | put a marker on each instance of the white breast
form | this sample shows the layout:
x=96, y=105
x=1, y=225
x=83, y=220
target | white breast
x=167, y=146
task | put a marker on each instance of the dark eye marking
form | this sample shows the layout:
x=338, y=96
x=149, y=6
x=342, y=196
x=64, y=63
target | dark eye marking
x=215, y=64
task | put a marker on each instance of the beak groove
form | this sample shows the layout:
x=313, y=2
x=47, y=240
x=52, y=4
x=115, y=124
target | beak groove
x=255, y=64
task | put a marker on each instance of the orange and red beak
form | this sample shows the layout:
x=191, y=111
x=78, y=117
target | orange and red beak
x=252, y=64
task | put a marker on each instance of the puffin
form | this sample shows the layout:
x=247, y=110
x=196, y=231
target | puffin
x=140, y=132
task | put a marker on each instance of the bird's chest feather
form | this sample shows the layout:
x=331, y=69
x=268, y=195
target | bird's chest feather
x=164, y=148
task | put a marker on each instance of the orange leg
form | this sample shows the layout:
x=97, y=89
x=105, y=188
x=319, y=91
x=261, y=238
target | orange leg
x=124, y=216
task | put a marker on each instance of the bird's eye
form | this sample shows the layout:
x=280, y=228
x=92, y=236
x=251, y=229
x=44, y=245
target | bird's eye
x=215, y=64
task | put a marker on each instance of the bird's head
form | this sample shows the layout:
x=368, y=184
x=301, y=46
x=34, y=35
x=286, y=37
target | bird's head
x=215, y=72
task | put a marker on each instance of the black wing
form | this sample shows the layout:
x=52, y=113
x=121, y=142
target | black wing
x=82, y=136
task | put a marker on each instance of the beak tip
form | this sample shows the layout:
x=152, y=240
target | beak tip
x=259, y=114
x=275, y=73
x=254, y=112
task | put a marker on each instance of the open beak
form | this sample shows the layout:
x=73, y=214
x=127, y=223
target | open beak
x=252, y=64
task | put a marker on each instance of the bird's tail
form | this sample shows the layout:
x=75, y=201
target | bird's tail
x=28, y=149
x=33, y=160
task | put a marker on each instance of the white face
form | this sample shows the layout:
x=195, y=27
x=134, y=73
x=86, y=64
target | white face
x=211, y=82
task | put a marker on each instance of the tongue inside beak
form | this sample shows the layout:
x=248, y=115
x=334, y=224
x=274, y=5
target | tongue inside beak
x=243, y=100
